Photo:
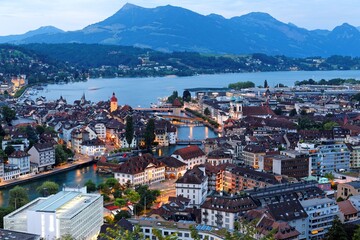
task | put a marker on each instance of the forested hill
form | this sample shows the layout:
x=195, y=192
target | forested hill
x=67, y=62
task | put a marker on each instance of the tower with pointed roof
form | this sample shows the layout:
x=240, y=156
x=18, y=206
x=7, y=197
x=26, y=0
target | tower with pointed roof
x=113, y=103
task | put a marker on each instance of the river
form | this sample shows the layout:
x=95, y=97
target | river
x=144, y=91
x=78, y=177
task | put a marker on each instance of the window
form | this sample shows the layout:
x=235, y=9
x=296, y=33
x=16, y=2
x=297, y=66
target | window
x=186, y=235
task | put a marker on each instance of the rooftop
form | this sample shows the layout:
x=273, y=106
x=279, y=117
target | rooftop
x=316, y=201
x=14, y=235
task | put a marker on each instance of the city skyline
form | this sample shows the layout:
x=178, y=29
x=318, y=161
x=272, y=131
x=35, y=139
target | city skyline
x=20, y=16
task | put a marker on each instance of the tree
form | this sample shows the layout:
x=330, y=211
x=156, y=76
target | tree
x=194, y=233
x=266, y=84
x=292, y=112
x=149, y=134
x=18, y=197
x=357, y=233
x=32, y=135
x=337, y=231
x=122, y=214
x=2, y=131
x=241, y=85
x=330, y=125
x=3, y=213
x=207, y=111
x=8, y=114
x=112, y=183
x=329, y=176
x=48, y=188
x=40, y=129
x=278, y=111
x=157, y=233
x=9, y=150
x=186, y=96
x=90, y=186
x=118, y=233
x=129, y=130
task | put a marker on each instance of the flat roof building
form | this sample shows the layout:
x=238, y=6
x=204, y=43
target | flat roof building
x=65, y=213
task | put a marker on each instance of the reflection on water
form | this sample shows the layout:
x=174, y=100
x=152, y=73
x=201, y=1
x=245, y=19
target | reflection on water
x=78, y=177
x=73, y=178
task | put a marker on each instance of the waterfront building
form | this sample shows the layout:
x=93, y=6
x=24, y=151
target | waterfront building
x=42, y=154
x=65, y=213
x=142, y=169
x=222, y=210
x=94, y=147
x=191, y=155
x=193, y=185
x=20, y=159
x=113, y=103
x=11, y=171
x=321, y=212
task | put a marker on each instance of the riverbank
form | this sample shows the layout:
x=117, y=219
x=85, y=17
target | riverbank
x=60, y=169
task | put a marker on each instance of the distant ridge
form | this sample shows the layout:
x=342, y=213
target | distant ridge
x=169, y=28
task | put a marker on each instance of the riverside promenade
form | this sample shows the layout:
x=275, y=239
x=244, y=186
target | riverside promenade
x=59, y=169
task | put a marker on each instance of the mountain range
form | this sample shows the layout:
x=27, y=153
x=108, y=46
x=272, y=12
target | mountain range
x=169, y=28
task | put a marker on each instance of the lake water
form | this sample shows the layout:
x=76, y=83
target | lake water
x=144, y=91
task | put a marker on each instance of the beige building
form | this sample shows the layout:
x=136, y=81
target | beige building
x=346, y=190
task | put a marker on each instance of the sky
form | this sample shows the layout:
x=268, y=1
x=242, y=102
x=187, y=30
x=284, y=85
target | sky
x=20, y=16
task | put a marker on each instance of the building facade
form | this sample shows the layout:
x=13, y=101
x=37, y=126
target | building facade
x=65, y=213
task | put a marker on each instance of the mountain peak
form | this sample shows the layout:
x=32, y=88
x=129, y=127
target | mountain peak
x=259, y=15
x=129, y=6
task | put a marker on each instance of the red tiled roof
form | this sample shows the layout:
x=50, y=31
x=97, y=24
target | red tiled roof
x=189, y=152
x=138, y=164
x=256, y=111
x=346, y=207
x=19, y=154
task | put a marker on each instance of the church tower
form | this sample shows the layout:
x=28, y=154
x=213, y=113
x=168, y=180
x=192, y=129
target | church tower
x=113, y=103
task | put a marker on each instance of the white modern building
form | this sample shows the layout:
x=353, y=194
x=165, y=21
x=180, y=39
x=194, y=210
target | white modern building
x=65, y=213
x=193, y=185
x=321, y=214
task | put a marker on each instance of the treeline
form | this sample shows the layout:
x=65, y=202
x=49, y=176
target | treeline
x=77, y=62
x=334, y=82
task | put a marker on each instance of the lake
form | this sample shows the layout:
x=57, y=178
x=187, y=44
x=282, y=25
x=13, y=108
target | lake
x=144, y=91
